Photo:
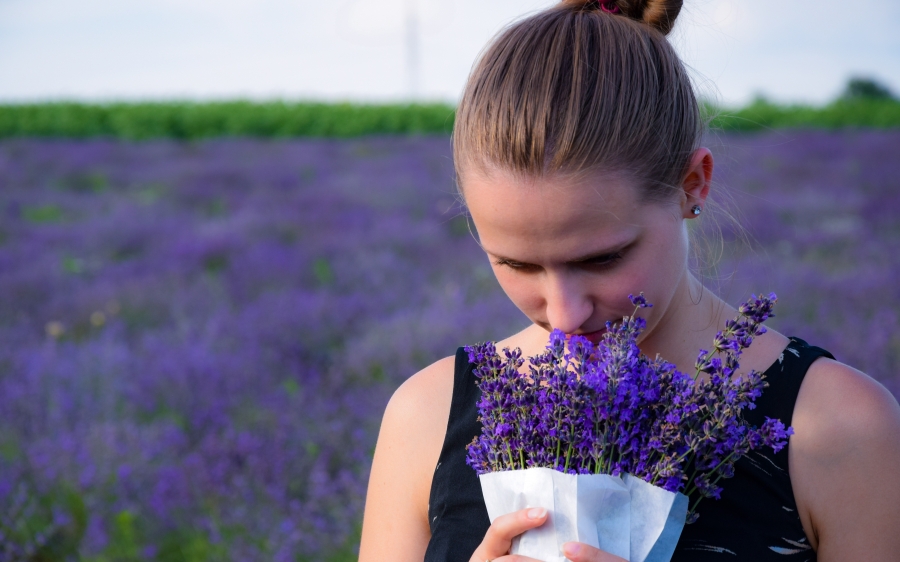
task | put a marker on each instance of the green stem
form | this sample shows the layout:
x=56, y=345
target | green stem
x=714, y=482
x=512, y=462
x=558, y=440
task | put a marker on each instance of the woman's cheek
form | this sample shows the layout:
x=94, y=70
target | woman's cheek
x=522, y=290
x=629, y=278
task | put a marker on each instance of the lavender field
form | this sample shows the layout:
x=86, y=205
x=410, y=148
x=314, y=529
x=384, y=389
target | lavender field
x=199, y=339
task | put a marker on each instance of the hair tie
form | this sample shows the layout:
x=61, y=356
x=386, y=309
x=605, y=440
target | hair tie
x=608, y=6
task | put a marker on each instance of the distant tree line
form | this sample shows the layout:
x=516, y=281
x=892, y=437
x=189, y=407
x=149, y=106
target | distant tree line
x=864, y=103
x=866, y=89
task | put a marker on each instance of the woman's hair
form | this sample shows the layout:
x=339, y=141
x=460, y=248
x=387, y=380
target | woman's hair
x=582, y=87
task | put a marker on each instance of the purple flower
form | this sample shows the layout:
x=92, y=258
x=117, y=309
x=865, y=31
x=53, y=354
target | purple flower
x=773, y=434
x=639, y=301
x=609, y=409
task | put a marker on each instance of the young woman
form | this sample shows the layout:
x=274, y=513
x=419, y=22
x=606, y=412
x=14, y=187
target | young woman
x=577, y=153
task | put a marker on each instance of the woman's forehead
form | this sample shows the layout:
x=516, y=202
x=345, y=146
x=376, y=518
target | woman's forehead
x=551, y=203
x=553, y=216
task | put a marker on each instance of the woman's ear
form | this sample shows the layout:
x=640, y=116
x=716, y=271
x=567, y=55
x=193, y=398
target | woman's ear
x=696, y=183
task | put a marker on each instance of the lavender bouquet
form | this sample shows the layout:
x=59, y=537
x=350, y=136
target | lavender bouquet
x=619, y=447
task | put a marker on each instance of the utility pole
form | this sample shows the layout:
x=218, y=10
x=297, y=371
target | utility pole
x=412, y=49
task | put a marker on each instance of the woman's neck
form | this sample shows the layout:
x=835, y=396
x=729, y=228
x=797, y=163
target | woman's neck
x=691, y=323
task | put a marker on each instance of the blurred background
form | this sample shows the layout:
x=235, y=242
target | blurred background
x=800, y=51
x=229, y=230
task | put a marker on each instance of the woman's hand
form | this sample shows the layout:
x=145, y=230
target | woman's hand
x=579, y=552
x=498, y=540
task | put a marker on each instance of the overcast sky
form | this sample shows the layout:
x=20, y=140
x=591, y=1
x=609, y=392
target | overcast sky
x=787, y=50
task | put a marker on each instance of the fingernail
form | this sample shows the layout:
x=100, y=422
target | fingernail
x=536, y=512
x=571, y=549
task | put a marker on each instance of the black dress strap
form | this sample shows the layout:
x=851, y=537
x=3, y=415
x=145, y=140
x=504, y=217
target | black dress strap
x=785, y=377
x=757, y=518
x=456, y=511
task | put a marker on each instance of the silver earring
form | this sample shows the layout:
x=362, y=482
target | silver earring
x=696, y=209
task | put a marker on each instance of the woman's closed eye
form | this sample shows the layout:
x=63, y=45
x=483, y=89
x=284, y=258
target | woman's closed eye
x=516, y=265
x=602, y=261
x=596, y=262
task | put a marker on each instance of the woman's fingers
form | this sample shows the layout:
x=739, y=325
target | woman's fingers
x=503, y=530
x=579, y=552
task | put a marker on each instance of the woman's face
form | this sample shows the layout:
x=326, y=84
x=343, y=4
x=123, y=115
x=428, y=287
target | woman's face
x=569, y=252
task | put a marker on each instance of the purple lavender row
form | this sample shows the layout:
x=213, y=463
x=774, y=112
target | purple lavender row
x=200, y=338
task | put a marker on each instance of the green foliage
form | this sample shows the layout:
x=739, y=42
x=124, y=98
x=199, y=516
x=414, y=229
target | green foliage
x=866, y=88
x=72, y=265
x=43, y=214
x=323, y=272
x=840, y=114
x=30, y=524
x=348, y=552
x=189, y=120
x=181, y=546
x=126, y=544
x=864, y=104
x=84, y=183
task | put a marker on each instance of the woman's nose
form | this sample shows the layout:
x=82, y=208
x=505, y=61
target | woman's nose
x=568, y=306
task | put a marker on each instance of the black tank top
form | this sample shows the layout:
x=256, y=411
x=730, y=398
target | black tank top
x=756, y=519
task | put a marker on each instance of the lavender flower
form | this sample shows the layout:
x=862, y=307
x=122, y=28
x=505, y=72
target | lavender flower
x=609, y=409
x=200, y=339
x=285, y=287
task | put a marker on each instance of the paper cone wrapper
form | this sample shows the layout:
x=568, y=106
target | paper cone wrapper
x=626, y=517
x=657, y=518
x=581, y=507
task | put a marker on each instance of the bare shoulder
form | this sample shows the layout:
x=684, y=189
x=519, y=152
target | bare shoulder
x=420, y=408
x=415, y=421
x=843, y=456
x=843, y=407
x=429, y=388
x=395, y=523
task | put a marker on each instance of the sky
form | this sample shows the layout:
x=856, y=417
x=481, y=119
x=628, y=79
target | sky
x=798, y=51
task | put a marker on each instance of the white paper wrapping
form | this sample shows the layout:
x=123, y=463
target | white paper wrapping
x=657, y=518
x=580, y=507
x=628, y=518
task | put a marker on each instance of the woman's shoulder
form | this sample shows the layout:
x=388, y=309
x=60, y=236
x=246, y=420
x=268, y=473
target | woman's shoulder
x=843, y=458
x=420, y=407
x=843, y=406
x=426, y=396
x=395, y=523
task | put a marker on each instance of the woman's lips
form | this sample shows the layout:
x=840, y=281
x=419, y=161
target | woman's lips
x=593, y=337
